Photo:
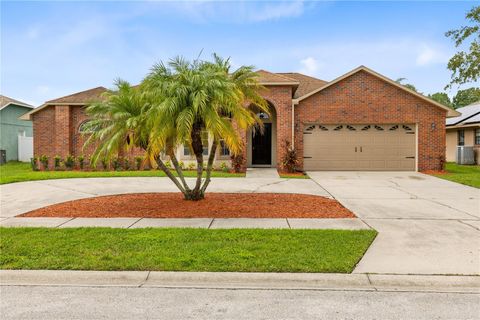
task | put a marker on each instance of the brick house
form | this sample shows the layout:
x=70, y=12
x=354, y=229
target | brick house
x=359, y=121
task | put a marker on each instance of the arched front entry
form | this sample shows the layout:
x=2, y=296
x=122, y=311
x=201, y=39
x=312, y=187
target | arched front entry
x=262, y=146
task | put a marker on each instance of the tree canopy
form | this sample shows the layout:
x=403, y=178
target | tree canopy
x=465, y=64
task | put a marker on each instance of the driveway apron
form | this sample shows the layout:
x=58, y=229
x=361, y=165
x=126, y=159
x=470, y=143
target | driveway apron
x=426, y=225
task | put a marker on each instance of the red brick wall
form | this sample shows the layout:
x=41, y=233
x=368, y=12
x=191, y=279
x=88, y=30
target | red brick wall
x=365, y=99
x=44, y=132
x=56, y=132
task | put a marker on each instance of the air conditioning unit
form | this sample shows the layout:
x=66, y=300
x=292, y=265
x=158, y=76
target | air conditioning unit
x=465, y=155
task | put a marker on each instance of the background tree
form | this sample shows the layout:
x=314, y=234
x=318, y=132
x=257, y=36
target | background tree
x=465, y=97
x=441, y=97
x=465, y=64
x=407, y=85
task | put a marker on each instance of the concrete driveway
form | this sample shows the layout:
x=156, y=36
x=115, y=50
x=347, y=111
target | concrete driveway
x=426, y=225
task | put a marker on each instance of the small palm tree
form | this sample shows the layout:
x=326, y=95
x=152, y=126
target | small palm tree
x=117, y=123
x=173, y=106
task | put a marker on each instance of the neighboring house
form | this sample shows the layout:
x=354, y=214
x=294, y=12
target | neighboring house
x=12, y=127
x=464, y=130
x=359, y=121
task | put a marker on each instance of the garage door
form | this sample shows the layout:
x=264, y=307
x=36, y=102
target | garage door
x=359, y=147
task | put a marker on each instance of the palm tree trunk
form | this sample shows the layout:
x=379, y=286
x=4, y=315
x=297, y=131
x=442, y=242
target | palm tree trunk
x=197, y=147
x=169, y=174
x=179, y=170
x=211, y=158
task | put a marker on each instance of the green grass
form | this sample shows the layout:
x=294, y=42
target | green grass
x=293, y=176
x=469, y=175
x=20, y=171
x=177, y=249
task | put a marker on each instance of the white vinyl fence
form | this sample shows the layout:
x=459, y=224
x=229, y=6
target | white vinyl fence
x=25, y=148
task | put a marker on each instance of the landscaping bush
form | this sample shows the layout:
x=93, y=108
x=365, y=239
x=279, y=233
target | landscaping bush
x=168, y=164
x=69, y=162
x=238, y=162
x=44, y=161
x=191, y=166
x=182, y=165
x=34, y=163
x=116, y=164
x=81, y=162
x=126, y=164
x=57, y=162
x=290, y=158
x=224, y=167
x=138, y=162
x=104, y=163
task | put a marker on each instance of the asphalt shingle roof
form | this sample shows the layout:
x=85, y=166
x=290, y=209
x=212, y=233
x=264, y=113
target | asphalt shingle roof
x=469, y=114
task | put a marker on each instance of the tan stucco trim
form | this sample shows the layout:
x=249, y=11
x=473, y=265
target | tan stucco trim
x=450, y=112
x=28, y=116
x=460, y=126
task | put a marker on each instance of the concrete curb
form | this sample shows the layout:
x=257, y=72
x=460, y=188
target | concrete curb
x=239, y=280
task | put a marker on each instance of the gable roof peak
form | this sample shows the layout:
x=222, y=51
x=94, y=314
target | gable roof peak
x=450, y=112
x=6, y=101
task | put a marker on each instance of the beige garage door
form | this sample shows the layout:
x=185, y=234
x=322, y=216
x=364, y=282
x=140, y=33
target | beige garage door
x=359, y=147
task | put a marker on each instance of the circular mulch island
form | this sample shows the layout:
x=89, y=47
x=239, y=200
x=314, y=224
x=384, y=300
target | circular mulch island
x=215, y=205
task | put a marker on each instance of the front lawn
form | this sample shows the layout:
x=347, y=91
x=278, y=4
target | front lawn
x=464, y=174
x=20, y=171
x=177, y=249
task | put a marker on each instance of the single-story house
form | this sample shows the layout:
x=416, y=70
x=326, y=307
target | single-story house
x=464, y=130
x=360, y=121
x=13, y=130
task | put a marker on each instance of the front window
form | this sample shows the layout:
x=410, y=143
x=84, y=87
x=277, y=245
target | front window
x=477, y=136
x=224, y=151
x=461, y=137
x=205, y=142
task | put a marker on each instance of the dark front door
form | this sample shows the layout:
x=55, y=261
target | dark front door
x=262, y=145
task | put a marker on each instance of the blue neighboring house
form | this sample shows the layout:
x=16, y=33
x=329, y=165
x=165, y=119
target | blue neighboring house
x=11, y=127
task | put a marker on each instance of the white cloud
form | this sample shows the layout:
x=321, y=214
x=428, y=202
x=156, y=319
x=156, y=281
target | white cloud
x=429, y=55
x=310, y=66
x=239, y=12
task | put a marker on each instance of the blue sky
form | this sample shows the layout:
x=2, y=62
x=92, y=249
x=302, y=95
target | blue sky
x=51, y=49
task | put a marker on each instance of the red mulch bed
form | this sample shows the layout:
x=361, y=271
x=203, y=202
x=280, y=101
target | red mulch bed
x=215, y=205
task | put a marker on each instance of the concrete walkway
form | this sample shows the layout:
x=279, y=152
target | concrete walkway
x=208, y=223
x=426, y=225
x=262, y=173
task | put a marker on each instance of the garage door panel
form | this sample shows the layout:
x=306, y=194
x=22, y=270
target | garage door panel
x=351, y=148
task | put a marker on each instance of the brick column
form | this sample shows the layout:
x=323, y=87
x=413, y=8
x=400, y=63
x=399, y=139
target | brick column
x=62, y=131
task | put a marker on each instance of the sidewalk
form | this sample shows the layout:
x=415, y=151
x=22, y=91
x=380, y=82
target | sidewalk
x=209, y=223
x=238, y=280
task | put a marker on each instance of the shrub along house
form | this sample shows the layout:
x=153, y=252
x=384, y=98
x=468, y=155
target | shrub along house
x=359, y=121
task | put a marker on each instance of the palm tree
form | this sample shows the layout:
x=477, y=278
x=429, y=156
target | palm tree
x=188, y=98
x=117, y=122
x=173, y=106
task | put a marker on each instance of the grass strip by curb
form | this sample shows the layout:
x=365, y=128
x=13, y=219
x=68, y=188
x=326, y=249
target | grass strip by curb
x=184, y=249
